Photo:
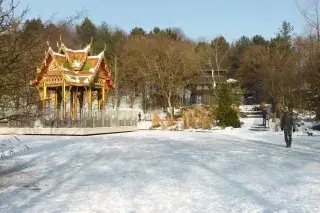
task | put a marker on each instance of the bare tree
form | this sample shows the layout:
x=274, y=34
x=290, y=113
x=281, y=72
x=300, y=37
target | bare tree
x=216, y=55
x=309, y=53
x=312, y=15
x=272, y=69
x=166, y=63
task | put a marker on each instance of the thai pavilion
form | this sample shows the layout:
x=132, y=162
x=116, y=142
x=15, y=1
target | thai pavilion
x=69, y=81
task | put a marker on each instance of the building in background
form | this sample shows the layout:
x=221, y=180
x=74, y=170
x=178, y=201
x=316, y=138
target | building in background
x=201, y=90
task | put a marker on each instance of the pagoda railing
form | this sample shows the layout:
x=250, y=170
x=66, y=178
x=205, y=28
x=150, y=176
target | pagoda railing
x=109, y=119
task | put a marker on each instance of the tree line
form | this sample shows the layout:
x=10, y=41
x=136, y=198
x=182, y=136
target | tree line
x=157, y=65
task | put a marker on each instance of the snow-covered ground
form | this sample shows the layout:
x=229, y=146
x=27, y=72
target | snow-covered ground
x=162, y=171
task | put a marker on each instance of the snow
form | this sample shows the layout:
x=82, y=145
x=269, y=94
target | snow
x=163, y=171
x=96, y=56
x=231, y=80
x=144, y=125
x=247, y=123
x=58, y=54
x=247, y=108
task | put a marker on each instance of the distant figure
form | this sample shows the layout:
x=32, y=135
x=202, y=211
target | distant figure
x=264, y=116
x=288, y=126
x=139, y=116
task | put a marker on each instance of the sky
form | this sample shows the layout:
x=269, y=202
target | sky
x=199, y=19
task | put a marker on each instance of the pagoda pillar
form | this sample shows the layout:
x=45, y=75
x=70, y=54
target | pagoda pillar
x=44, y=97
x=56, y=103
x=99, y=97
x=64, y=99
x=71, y=103
x=103, y=104
x=81, y=98
x=89, y=93
x=103, y=98
x=75, y=104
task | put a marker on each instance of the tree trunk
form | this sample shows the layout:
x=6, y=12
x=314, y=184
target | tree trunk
x=131, y=99
x=170, y=105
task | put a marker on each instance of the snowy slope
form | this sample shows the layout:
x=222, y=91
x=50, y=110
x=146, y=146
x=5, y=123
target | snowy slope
x=157, y=171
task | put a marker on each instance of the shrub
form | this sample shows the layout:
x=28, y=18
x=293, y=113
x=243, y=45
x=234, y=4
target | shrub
x=232, y=119
x=206, y=123
x=198, y=117
x=186, y=119
x=226, y=114
x=155, y=120
x=262, y=105
x=170, y=122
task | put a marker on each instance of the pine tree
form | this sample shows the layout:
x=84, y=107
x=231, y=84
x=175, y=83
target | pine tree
x=226, y=113
x=85, y=31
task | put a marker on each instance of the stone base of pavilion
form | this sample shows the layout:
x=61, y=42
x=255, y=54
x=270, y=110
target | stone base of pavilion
x=75, y=131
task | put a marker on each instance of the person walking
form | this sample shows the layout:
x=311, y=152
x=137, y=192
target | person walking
x=139, y=117
x=288, y=126
x=264, y=116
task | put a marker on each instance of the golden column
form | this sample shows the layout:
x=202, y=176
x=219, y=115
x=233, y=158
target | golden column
x=103, y=104
x=103, y=97
x=75, y=104
x=89, y=91
x=81, y=98
x=99, y=102
x=56, y=110
x=44, y=97
x=64, y=99
x=71, y=103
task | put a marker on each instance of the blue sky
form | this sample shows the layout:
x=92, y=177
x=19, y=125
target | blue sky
x=197, y=18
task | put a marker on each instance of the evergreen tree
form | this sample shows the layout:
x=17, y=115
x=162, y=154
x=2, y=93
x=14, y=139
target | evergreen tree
x=103, y=37
x=226, y=113
x=258, y=40
x=33, y=25
x=283, y=39
x=237, y=50
x=138, y=31
x=85, y=31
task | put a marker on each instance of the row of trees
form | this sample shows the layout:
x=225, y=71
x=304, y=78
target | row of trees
x=157, y=65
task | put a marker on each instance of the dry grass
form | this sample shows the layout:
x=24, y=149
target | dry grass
x=155, y=120
x=170, y=122
x=207, y=123
x=262, y=105
x=187, y=117
x=199, y=117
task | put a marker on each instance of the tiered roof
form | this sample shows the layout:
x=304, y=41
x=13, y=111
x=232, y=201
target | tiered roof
x=76, y=67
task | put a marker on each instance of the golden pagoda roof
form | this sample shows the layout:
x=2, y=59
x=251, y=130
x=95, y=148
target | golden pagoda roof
x=77, y=67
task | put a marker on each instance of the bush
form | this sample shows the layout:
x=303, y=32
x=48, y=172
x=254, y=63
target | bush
x=262, y=106
x=155, y=120
x=198, y=117
x=170, y=122
x=232, y=119
x=226, y=114
x=186, y=119
x=206, y=123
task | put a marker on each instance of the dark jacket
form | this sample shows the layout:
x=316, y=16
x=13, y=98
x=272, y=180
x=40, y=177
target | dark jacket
x=287, y=122
x=264, y=113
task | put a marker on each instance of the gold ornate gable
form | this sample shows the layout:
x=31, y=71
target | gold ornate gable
x=74, y=67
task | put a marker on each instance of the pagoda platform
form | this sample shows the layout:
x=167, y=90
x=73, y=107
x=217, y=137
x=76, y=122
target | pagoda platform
x=75, y=131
